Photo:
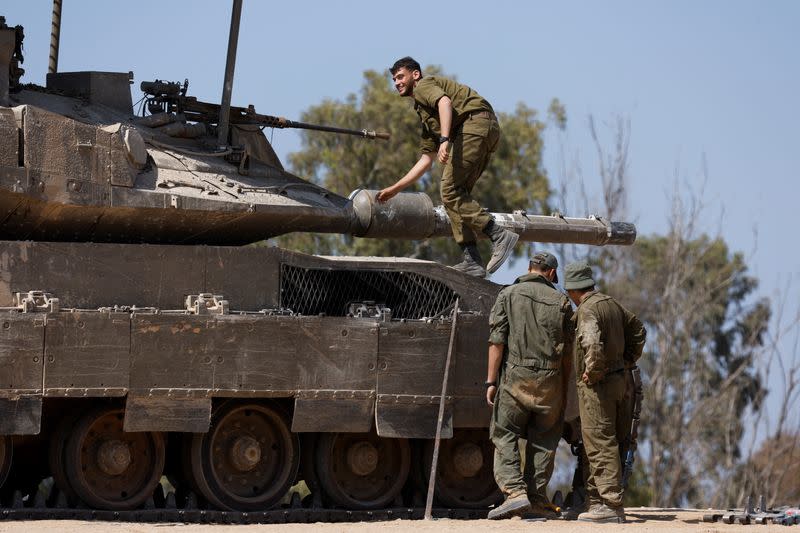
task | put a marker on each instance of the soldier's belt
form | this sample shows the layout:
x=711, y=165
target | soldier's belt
x=482, y=114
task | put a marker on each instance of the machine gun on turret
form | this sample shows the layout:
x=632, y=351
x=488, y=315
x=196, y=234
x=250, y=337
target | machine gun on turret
x=170, y=97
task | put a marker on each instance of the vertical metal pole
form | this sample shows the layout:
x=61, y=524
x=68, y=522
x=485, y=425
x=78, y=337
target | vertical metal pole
x=440, y=419
x=230, y=65
x=55, y=36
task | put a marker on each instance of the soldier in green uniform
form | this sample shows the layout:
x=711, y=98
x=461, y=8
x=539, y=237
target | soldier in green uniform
x=530, y=347
x=609, y=341
x=460, y=130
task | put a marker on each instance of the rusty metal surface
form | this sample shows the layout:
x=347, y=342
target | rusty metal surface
x=93, y=275
x=328, y=414
x=159, y=350
x=145, y=413
x=410, y=367
x=21, y=348
x=124, y=329
x=244, y=355
x=87, y=354
x=91, y=173
x=20, y=415
x=470, y=408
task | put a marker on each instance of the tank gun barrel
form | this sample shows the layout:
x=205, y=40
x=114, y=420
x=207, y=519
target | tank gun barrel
x=413, y=216
x=171, y=97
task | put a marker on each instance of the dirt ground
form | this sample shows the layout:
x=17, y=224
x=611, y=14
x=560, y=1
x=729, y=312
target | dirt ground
x=639, y=519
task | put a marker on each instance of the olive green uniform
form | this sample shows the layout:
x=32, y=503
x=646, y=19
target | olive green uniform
x=474, y=135
x=534, y=321
x=609, y=340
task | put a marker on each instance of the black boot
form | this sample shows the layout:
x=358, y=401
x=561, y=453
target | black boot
x=472, y=263
x=503, y=242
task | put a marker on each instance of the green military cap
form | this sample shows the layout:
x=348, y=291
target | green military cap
x=578, y=275
x=547, y=260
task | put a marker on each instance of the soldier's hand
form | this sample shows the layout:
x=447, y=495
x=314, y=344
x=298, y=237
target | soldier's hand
x=444, y=154
x=386, y=194
x=592, y=377
x=491, y=392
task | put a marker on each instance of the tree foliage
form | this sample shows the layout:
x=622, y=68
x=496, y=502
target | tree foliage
x=515, y=179
x=707, y=332
x=774, y=470
x=704, y=337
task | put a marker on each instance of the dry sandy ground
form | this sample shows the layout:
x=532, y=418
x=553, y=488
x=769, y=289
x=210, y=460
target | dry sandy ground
x=644, y=520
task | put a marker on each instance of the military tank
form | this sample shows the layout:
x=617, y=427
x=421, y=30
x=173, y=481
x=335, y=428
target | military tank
x=139, y=339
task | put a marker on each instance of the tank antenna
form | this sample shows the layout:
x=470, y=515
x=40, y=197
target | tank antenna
x=55, y=36
x=230, y=64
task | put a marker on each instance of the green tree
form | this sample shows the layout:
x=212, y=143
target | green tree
x=700, y=365
x=515, y=179
x=707, y=334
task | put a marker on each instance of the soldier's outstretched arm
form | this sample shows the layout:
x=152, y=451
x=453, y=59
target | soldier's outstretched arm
x=421, y=167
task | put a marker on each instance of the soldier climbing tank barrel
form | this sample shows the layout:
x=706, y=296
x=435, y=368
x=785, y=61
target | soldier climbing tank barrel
x=138, y=340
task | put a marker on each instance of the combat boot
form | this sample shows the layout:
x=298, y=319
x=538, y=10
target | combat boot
x=601, y=513
x=513, y=506
x=503, y=242
x=574, y=511
x=472, y=263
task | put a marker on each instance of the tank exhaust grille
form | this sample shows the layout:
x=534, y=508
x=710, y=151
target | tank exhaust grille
x=408, y=294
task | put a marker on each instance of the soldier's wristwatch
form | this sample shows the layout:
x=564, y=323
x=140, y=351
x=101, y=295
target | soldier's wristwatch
x=443, y=139
x=490, y=384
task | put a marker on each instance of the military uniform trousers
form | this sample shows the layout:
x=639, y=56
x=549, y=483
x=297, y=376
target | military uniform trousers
x=527, y=406
x=605, y=409
x=471, y=149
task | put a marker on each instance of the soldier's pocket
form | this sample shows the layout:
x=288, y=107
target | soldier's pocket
x=592, y=414
x=535, y=387
x=468, y=150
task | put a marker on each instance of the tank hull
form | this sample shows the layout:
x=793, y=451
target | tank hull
x=342, y=346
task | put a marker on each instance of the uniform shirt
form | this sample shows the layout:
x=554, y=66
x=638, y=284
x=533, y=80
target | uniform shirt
x=427, y=93
x=609, y=337
x=534, y=321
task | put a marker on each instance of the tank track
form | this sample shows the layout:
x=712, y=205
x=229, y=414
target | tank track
x=192, y=515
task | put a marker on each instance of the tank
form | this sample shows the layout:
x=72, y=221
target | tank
x=143, y=348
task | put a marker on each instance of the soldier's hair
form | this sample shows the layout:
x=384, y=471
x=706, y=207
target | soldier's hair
x=407, y=62
x=537, y=267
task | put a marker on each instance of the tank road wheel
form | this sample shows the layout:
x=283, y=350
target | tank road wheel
x=362, y=470
x=111, y=469
x=247, y=460
x=58, y=443
x=6, y=451
x=465, y=475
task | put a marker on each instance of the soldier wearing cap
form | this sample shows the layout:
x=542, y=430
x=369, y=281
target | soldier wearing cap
x=529, y=360
x=609, y=340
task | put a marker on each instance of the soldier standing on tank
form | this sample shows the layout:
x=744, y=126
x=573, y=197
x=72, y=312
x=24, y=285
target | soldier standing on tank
x=532, y=332
x=610, y=339
x=460, y=129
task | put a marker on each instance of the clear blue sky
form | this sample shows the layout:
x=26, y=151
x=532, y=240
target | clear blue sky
x=714, y=79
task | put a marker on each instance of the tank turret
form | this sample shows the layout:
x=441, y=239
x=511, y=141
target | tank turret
x=77, y=165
